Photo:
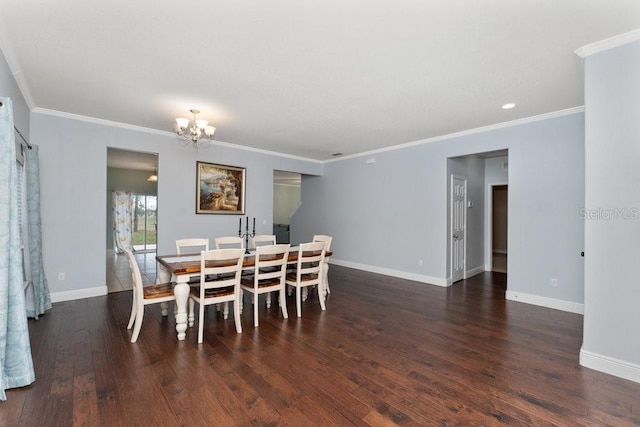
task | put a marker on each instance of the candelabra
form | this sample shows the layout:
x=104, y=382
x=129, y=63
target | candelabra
x=246, y=234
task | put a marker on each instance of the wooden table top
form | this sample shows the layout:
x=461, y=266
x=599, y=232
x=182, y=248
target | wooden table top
x=190, y=263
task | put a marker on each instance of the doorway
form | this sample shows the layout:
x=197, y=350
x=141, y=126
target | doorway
x=286, y=201
x=499, y=226
x=481, y=171
x=132, y=199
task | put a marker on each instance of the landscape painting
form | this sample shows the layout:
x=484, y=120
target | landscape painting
x=220, y=189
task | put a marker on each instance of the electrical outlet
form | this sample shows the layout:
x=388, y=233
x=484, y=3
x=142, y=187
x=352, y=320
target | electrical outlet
x=61, y=276
x=554, y=282
x=420, y=263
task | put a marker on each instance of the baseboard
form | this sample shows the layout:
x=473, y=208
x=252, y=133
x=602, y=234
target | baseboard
x=437, y=281
x=477, y=270
x=556, y=304
x=79, y=294
x=609, y=365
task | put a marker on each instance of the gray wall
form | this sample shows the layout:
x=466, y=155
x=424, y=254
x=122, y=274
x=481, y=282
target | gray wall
x=386, y=215
x=546, y=193
x=73, y=157
x=125, y=180
x=495, y=170
x=286, y=199
x=612, y=295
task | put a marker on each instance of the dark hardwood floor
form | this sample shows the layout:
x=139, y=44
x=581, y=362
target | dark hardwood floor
x=387, y=351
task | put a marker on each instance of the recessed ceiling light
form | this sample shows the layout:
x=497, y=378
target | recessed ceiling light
x=508, y=106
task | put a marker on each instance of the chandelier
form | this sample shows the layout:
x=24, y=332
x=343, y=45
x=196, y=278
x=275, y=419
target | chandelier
x=194, y=129
x=154, y=176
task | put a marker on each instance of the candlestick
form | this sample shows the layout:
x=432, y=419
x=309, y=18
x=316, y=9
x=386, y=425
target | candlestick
x=246, y=234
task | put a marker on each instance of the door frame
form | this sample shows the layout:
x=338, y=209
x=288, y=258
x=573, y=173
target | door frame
x=488, y=224
x=451, y=209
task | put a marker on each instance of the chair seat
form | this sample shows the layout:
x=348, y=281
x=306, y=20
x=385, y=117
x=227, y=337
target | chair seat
x=209, y=293
x=160, y=290
x=305, y=277
x=264, y=283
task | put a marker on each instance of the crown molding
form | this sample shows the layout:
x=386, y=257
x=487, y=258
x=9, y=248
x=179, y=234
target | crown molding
x=607, y=44
x=511, y=123
x=518, y=122
x=103, y=122
x=262, y=151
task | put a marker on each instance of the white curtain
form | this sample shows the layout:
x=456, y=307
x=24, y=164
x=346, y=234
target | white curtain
x=16, y=364
x=123, y=210
x=37, y=291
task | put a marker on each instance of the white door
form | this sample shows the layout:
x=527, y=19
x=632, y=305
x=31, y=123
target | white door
x=458, y=227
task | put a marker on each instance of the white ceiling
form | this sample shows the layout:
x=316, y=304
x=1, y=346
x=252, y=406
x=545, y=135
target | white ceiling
x=307, y=78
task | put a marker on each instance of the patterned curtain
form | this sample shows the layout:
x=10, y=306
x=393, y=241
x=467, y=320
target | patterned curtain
x=16, y=364
x=123, y=210
x=38, y=286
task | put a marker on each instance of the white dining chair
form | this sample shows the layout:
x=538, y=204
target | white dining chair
x=228, y=242
x=325, y=273
x=308, y=272
x=262, y=239
x=268, y=276
x=225, y=288
x=160, y=293
x=192, y=246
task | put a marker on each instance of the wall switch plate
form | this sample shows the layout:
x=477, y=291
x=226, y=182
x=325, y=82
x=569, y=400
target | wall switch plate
x=61, y=276
x=554, y=283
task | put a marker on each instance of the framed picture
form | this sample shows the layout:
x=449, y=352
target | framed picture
x=219, y=189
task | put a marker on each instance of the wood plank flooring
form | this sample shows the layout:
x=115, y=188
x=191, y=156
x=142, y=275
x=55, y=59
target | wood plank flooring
x=386, y=352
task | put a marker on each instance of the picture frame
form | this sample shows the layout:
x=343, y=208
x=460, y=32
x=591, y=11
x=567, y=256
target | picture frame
x=220, y=189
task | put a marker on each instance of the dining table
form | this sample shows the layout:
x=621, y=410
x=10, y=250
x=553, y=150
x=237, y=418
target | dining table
x=185, y=266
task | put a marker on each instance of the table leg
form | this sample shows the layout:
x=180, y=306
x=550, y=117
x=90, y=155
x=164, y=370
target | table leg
x=164, y=276
x=181, y=291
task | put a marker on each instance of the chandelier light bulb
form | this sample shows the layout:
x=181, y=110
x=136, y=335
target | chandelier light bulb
x=182, y=123
x=194, y=129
